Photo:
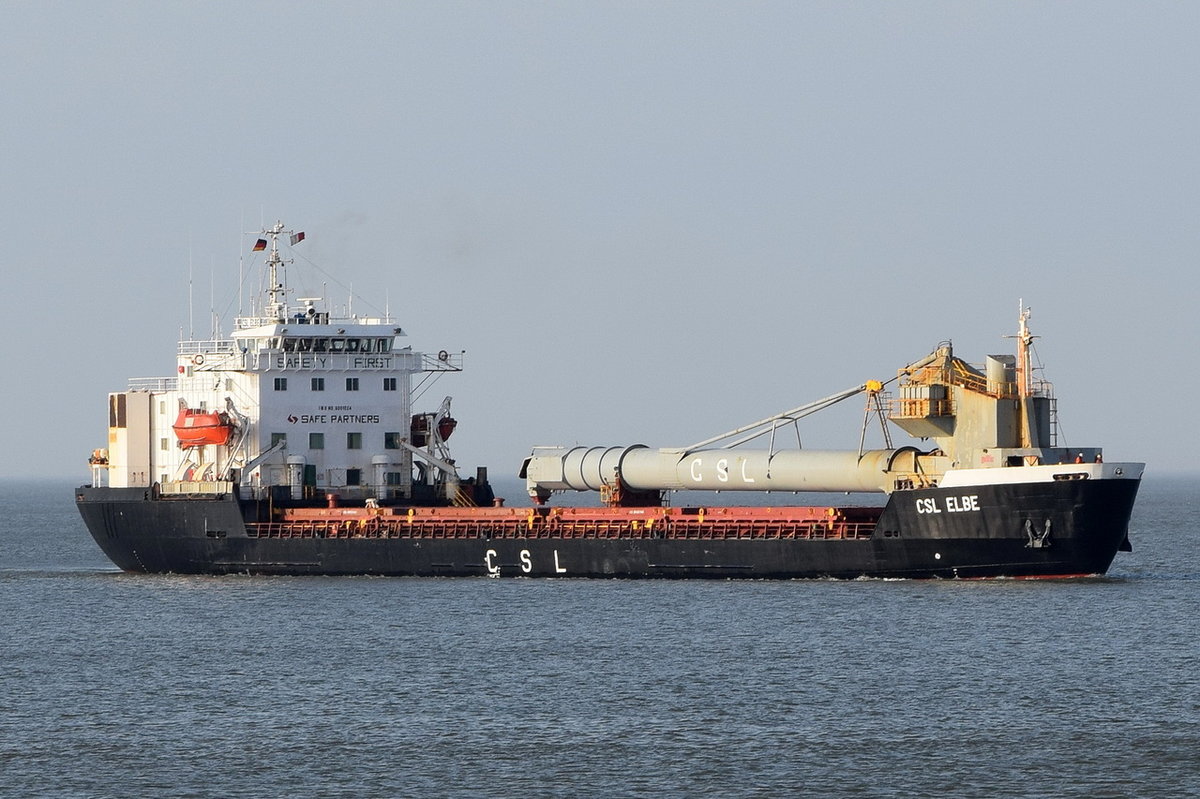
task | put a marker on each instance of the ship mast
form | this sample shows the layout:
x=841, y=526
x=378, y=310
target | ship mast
x=1024, y=362
x=1024, y=372
x=278, y=291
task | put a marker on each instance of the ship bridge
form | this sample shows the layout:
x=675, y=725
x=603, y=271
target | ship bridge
x=296, y=397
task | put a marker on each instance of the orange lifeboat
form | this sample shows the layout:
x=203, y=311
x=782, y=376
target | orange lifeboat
x=198, y=428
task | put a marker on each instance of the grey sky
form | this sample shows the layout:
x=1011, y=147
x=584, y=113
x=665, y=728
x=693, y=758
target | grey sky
x=644, y=222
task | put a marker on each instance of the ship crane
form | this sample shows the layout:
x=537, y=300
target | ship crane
x=969, y=414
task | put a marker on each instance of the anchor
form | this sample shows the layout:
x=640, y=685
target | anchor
x=1037, y=540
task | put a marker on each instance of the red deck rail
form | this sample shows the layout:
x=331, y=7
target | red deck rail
x=575, y=523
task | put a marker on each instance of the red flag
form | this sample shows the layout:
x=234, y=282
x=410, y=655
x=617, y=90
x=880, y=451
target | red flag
x=260, y=245
x=297, y=237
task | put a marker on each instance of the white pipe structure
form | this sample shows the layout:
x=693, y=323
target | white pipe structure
x=638, y=467
x=728, y=468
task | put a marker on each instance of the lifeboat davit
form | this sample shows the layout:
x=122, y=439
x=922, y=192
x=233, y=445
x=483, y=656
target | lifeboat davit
x=199, y=428
x=420, y=428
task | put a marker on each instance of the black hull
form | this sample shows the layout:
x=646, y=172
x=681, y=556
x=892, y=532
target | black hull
x=1051, y=529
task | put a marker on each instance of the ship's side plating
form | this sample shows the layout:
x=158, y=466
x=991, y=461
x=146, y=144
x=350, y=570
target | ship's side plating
x=1072, y=525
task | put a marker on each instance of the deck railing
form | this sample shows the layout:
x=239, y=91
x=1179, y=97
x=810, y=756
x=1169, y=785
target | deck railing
x=519, y=528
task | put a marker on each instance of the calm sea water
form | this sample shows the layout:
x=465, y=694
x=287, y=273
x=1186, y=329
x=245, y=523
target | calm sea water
x=115, y=685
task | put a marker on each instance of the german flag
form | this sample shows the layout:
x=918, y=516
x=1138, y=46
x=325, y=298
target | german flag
x=260, y=245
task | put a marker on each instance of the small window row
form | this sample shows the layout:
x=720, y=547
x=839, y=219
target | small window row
x=353, y=440
x=318, y=384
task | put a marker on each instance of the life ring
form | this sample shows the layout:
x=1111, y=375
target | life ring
x=198, y=359
x=443, y=356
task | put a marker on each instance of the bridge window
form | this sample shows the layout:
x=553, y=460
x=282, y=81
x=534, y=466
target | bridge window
x=281, y=384
x=318, y=384
x=316, y=441
x=352, y=384
x=354, y=441
x=391, y=441
x=389, y=384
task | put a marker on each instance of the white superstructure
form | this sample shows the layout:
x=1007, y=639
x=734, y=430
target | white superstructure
x=299, y=397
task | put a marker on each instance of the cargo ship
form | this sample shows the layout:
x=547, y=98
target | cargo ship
x=293, y=447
